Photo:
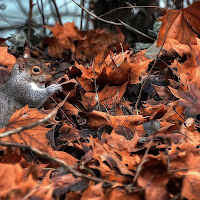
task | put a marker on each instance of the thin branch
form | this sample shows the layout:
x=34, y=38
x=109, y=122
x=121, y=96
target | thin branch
x=22, y=128
x=14, y=26
x=113, y=23
x=139, y=168
x=58, y=161
x=129, y=7
x=30, y=21
x=82, y=14
x=135, y=30
x=96, y=17
x=52, y=11
x=41, y=10
x=57, y=12
x=155, y=62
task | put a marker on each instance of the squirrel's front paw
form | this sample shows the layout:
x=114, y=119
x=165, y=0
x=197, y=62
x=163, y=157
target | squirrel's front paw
x=53, y=88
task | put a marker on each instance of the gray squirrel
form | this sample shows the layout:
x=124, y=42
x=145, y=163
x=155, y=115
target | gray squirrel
x=26, y=85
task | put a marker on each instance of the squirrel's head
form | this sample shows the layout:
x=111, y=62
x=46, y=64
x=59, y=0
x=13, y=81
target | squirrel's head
x=34, y=69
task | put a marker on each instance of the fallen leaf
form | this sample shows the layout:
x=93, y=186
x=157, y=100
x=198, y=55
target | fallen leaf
x=181, y=25
x=6, y=58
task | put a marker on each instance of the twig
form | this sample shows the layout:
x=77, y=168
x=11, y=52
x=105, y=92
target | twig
x=96, y=17
x=29, y=21
x=139, y=168
x=135, y=30
x=22, y=128
x=157, y=57
x=41, y=10
x=82, y=14
x=130, y=7
x=63, y=110
x=113, y=23
x=58, y=161
x=9, y=22
x=57, y=12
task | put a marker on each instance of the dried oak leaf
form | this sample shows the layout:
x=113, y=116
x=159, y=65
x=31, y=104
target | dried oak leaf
x=172, y=45
x=90, y=73
x=56, y=46
x=69, y=159
x=93, y=192
x=154, y=180
x=63, y=38
x=14, y=182
x=131, y=161
x=114, y=70
x=6, y=58
x=67, y=182
x=45, y=189
x=103, y=153
x=99, y=41
x=188, y=94
x=97, y=192
x=189, y=68
x=98, y=119
x=119, y=194
x=191, y=184
x=34, y=137
x=67, y=30
x=183, y=25
x=108, y=96
x=120, y=142
x=119, y=69
x=13, y=156
x=196, y=51
x=190, y=131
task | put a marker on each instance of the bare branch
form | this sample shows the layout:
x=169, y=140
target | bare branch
x=139, y=168
x=135, y=30
x=113, y=23
x=58, y=161
x=96, y=17
x=57, y=12
x=30, y=21
x=41, y=10
x=157, y=57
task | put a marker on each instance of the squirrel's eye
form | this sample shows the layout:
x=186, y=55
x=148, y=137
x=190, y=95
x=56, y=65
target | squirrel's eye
x=36, y=69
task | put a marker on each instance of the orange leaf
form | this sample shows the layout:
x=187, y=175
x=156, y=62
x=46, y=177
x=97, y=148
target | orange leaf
x=183, y=25
x=191, y=184
x=98, y=119
x=34, y=137
x=108, y=96
x=154, y=179
x=15, y=182
x=6, y=58
x=67, y=30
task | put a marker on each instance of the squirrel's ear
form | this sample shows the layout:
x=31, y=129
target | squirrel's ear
x=22, y=62
x=26, y=54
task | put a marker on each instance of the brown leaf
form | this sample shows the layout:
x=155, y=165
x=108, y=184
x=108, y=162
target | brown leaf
x=178, y=27
x=35, y=137
x=97, y=119
x=108, y=96
x=67, y=30
x=154, y=180
x=191, y=184
x=14, y=182
x=6, y=58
